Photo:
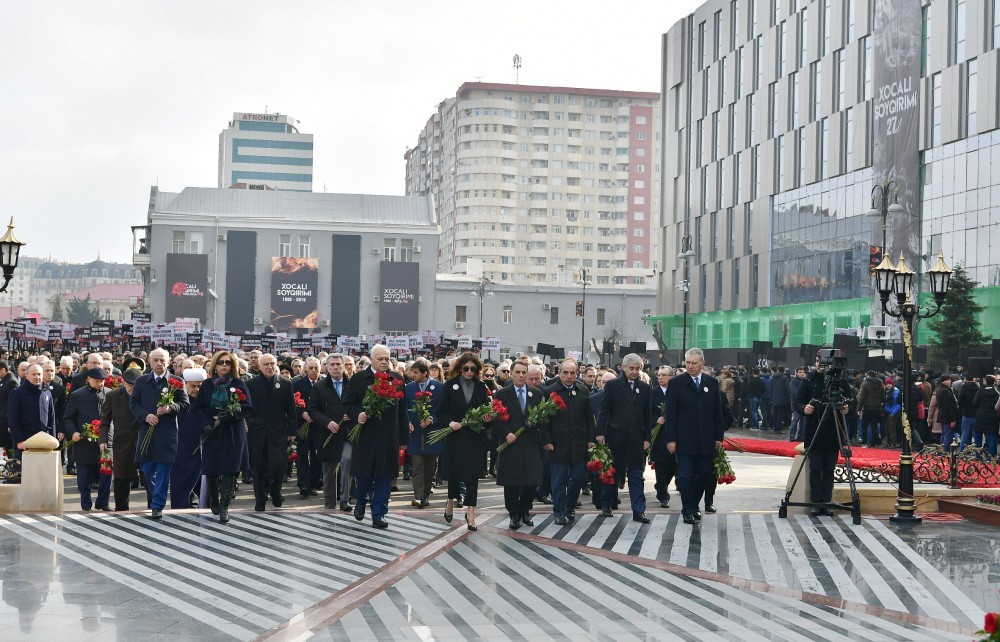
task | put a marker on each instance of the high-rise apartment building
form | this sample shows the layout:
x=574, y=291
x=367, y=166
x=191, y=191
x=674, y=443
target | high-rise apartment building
x=781, y=119
x=265, y=151
x=536, y=183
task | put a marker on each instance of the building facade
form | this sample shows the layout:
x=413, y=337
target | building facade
x=38, y=282
x=265, y=150
x=245, y=260
x=540, y=183
x=780, y=119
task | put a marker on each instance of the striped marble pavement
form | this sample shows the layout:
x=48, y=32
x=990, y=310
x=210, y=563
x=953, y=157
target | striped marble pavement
x=864, y=564
x=188, y=575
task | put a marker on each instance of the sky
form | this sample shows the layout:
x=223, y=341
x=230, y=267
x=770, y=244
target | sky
x=104, y=99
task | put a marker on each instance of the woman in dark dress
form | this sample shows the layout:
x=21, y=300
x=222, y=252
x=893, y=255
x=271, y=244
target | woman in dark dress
x=463, y=449
x=225, y=435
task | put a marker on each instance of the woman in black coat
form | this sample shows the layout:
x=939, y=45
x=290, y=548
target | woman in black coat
x=463, y=449
x=987, y=419
x=224, y=445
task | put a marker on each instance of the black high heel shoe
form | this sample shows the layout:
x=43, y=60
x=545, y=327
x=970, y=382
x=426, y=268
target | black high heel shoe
x=468, y=525
x=448, y=516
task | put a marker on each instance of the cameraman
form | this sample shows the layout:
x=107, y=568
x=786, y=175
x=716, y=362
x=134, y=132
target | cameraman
x=821, y=439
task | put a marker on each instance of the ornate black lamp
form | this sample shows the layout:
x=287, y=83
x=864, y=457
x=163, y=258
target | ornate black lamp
x=10, y=248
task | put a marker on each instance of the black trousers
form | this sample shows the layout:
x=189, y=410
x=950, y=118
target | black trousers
x=821, y=464
x=517, y=499
x=122, y=489
x=664, y=475
x=471, y=490
x=267, y=476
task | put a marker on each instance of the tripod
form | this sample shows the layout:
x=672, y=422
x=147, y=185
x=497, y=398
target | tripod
x=844, y=446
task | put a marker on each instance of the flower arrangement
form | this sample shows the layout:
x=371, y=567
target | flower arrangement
x=166, y=398
x=379, y=397
x=233, y=406
x=303, y=430
x=657, y=427
x=474, y=419
x=990, y=629
x=601, y=463
x=422, y=404
x=293, y=453
x=113, y=382
x=539, y=413
x=106, y=463
x=91, y=431
x=723, y=470
x=993, y=500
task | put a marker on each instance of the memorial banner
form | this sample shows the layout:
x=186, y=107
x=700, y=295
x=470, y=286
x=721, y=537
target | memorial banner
x=187, y=284
x=399, y=296
x=293, y=292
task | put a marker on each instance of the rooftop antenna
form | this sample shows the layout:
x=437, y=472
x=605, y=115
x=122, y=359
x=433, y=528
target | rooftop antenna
x=517, y=69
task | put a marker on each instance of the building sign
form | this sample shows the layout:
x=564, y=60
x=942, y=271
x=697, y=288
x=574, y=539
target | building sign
x=293, y=292
x=187, y=284
x=399, y=296
x=261, y=118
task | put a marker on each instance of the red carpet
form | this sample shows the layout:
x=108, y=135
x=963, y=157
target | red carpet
x=878, y=459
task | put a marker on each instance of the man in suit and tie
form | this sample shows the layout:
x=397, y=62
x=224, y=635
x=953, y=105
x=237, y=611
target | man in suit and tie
x=144, y=402
x=625, y=424
x=327, y=412
x=566, y=437
x=270, y=428
x=666, y=463
x=423, y=455
x=308, y=464
x=519, y=470
x=694, y=430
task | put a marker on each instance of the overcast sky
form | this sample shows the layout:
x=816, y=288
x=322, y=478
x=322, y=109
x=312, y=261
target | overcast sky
x=101, y=100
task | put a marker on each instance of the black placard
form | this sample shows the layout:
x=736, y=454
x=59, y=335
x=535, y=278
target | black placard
x=761, y=348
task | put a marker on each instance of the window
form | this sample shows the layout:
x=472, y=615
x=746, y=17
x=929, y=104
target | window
x=824, y=16
x=866, y=68
x=736, y=284
x=734, y=20
x=851, y=20
x=840, y=69
x=731, y=227
x=460, y=313
x=800, y=158
x=959, y=31
x=600, y=316
x=178, y=244
x=406, y=250
x=772, y=108
x=848, y=140
x=925, y=48
x=284, y=245
x=304, y=245
x=640, y=120
x=196, y=242
x=817, y=92
x=553, y=316
x=824, y=147
x=755, y=280
x=747, y=230
x=389, y=249
x=936, y=97
x=793, y=100
x=714, y=233
x=508, y=314
x=780, y=162
x=782, y=50
x=803, y=43
x=970, y=98
x=717, y=34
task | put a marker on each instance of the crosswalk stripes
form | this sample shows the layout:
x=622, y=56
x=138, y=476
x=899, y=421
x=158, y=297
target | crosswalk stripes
x=241, y=579
x=492, y=587
x=863, y=564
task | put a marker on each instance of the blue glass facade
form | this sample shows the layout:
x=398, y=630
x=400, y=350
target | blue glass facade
x=271, y=176
x=252, y=126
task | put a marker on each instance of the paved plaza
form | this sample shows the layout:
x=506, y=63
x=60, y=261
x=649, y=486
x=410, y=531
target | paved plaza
x=302, y=573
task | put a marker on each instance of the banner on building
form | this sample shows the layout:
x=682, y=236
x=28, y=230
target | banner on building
x=293, y=292
x=896, y=110
x=399, y=296
x=187, y=286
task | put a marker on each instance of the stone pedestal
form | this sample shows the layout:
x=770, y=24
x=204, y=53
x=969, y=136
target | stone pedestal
x=41, y=487
x=801, y=491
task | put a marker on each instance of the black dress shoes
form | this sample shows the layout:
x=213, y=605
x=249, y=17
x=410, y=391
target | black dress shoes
x=571, y=515
x=424, y=503
x=697, y=516
x=359, y=511
x=561, y=521
x=304, y=493
x=344, y=506
x=380, y=523
x=710, y=508
x=526, y=520
x=641, y=518
x=515, y=523
x=157, y=514
x=277, y=501
x=448, y=516
x=816, y=511
x=689, y=519
x=606, y=513
x=259, y=507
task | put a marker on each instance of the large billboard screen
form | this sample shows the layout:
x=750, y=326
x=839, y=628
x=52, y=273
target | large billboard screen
x=293, y=292
x=399, y=296
x=187, y=286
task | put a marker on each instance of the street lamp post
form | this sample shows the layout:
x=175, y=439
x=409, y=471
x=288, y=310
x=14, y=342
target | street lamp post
x=484, y=290
x=684, y=286
x=899, y=278
x=10, y=249
x=583, y=312
x=881, y=208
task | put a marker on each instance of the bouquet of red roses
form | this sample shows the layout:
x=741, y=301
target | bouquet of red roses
x=106, y=463
x=303, y=430
x=539, y=413
x=113, y=382
x=657, y=426
x=474, y=419
x=293, y=453
x=602, y=463
x=91, y=431
x=723, y=470
x=233, y=406
x=422, y=404
x=990, y=628
x=379, y=397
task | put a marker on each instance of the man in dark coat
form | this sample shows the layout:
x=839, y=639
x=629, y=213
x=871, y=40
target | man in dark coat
x=376, y=453
x=781, y=400
x=116, y=413
x=566, y=437
x=694, y=430
x=666, y=463
x=624, y=423
x=519, y=470
x=186, y=471
x=327, y=413
x=271, y=427
x=83, y=407
x=79, y=380
x=821, y=427
x=7, y=384
x=31, y=409
x=158, y=456
x=308, y=465
x=423, y=455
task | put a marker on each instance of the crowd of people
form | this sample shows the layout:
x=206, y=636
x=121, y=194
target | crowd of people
x=190, y=428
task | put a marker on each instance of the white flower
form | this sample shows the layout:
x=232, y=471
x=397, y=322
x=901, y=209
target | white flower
x=164, y=391
x=277, y=384
x=233, y=389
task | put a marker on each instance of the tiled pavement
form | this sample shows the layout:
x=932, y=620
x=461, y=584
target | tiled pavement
x=316, y=575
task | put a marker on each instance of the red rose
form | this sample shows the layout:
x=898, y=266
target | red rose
x=990, y=625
